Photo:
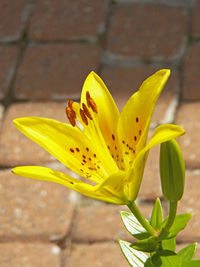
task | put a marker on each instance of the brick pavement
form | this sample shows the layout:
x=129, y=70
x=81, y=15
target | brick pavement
x=46, y=51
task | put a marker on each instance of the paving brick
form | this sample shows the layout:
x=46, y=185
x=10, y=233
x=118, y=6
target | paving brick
x=1, y=114
x=191, y=74
x=155, y=38
x=33, y=210
x=183, y=245
x=190, y=203
x=188, y=117
x=17, y=149
x=196, y=14
x=29, y=255
x=8, y=60
x=98, y=255
x=67, y=20
x=11, y=29
x=124, y=81
x=183, y=3
x=102, y=223
x=150, y=187
x=47, y=73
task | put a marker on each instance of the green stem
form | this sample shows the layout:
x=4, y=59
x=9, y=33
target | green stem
x=143, y=221
x=172, y=214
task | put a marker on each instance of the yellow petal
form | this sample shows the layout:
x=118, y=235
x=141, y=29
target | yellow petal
x=66, y=143
x=135, y=118
x=94, y=134
x=115, y=185
x=108, y=113
x=46, y=174
x=161, y=134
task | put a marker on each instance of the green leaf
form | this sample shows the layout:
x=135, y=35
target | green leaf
x=146, y=245
x=169, y=244
x=193, y=263
x=166, y=258
x=149, y=263
x=156, y=216
x=134, y=257
x=179, y=224
x=188, y=252
x=133, y=226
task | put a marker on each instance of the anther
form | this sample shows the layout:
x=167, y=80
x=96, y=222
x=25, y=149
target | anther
x=70, y=102
x=86, y=111
x=84, y=118
x=88, y=98
x=71, y=115
x=93, y=105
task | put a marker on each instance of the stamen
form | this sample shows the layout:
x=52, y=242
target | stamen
x=84, y=118
x=93, y=105
x=86, y=111
x=70, y=102
x=71, y=115
x=88, y=98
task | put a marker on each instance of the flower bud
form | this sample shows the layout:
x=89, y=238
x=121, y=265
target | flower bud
x=172, y=170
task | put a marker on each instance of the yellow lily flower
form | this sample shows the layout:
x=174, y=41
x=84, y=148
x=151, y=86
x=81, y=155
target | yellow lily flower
x=101, y=144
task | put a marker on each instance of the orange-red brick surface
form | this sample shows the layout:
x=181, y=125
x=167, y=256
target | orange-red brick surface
x=46, y=51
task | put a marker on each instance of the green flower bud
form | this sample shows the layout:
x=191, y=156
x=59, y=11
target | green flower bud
x=172, y=170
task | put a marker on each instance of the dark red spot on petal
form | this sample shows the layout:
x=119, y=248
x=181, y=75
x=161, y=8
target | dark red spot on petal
x=113, y=137
x=87, y=148
x=72, y=150
x=137, y=120
x=140, y=132
x=135, y=138
x=77, y=149
x=95, y=155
